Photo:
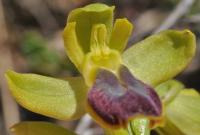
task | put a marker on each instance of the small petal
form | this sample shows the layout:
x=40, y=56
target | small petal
x=120, y=34
x=72, y=46
x=115, y=101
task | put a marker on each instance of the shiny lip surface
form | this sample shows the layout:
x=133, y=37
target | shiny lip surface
x=116, y=100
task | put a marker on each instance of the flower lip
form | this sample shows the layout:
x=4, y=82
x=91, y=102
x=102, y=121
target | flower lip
x=115, y=101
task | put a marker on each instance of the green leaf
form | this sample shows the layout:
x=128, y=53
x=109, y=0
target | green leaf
x=120, y=34
x=184, y=112
x=168, y=90
x=39, y=128
x=49, y=96
x=160, y=57
x=88, y=16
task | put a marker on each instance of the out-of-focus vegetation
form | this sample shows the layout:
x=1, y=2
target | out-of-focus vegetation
x=42, y=57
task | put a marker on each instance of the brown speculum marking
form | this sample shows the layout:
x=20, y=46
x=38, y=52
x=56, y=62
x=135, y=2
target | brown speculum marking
x=116, y=100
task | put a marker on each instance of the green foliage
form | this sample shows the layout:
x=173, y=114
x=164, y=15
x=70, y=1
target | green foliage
x=38, y=56
x=195, y=8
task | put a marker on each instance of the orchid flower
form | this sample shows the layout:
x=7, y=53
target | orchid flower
x=117, y=86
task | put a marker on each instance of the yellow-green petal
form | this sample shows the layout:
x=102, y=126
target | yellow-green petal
x=120, y=34
x=88, y=16
x=72, y=47
x=160, y=57
x=39, y=128
x=48, y=96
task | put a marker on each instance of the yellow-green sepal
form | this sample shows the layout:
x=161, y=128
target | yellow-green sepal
x=120, y=34
x=88, y=16
x=184, y=112
x=64, y=100
x=160, y=57
x=169, y=129
x=39, y=128
x=181, y=111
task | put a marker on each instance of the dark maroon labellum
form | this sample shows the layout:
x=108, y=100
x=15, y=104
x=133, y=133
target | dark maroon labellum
x=115, y=100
